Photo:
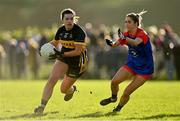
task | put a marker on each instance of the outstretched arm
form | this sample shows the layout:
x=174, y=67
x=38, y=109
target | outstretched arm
x=112, y=43
x=127, y=40
x=133, y=42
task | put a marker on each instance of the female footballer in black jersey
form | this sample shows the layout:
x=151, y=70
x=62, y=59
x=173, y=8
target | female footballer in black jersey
x=71, y=60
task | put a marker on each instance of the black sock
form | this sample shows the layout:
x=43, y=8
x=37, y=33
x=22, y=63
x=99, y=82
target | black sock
x=43, y=103
x=114, y=96
x=119, y=106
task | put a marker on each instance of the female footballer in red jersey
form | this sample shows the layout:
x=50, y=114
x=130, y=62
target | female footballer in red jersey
x=139, y=65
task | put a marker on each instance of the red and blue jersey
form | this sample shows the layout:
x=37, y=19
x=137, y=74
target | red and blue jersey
x=140, y=58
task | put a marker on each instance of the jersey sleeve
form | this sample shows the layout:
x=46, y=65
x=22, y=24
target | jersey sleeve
x=123, y=42
x=79, y=36
x=142, y=35
x=57, y=35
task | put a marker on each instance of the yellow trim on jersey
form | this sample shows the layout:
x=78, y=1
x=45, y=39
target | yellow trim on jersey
x=83, y=62
x=70, y=43
x=67, y=43
x=80, y=43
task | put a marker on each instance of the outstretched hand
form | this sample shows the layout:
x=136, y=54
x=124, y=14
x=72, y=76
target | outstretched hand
x=58, y=54
x=109, y=42
x=121, y=35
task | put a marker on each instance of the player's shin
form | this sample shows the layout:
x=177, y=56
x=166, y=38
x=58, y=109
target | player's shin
x=124, y=99
x=114, y=90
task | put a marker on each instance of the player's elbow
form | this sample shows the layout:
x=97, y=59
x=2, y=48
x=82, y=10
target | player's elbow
x=136, y=43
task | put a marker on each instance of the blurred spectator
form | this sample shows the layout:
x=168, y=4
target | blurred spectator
x=156, y=38
x=168, y=56
x=34, y=61
x=176, y=52
x=2, y=56
x=12, y=57
x=115, y=58
x=100, y=59
x=21, y=61
x=90, y=34
x=103, y=61
x=175, y=47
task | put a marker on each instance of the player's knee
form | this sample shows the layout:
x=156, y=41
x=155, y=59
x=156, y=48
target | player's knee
x=53, y=79
x=114, y=82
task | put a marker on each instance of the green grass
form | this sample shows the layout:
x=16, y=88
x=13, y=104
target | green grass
x=153, y=101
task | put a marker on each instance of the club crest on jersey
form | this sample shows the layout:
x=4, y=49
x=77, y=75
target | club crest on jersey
x=133, y=53
x=66, y=35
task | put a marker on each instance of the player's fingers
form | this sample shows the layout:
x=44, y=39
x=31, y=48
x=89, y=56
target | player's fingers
x=119, y=30
x=52, y=57
x=56, y=51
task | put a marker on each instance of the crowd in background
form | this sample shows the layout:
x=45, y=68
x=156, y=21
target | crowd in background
x=19, y=52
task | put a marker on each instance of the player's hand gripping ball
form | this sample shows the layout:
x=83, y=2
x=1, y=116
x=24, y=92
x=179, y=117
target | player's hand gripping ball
x=47, y=50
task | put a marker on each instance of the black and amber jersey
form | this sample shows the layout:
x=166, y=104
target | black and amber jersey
x=68, y=39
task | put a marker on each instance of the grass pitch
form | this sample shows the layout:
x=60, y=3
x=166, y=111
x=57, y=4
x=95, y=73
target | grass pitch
x=153, y=101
